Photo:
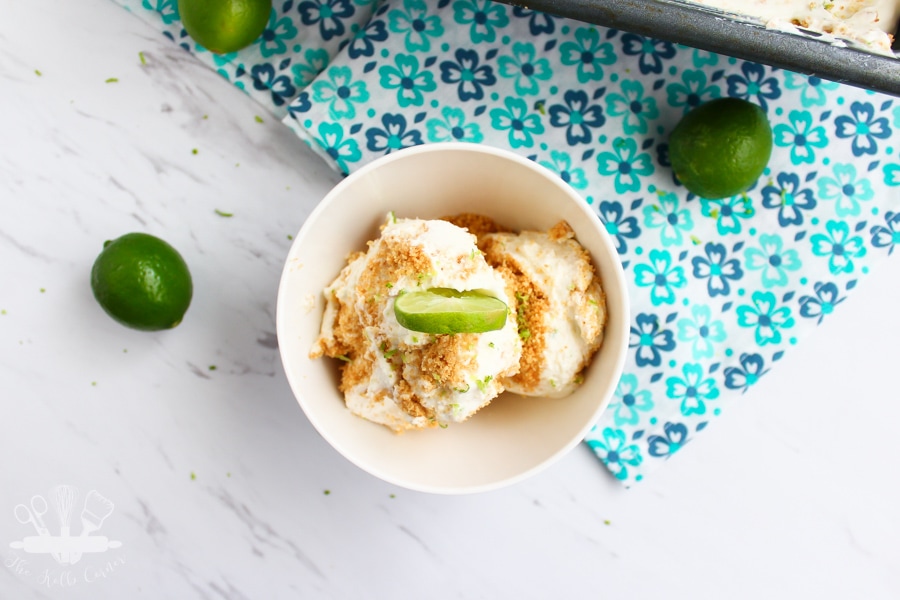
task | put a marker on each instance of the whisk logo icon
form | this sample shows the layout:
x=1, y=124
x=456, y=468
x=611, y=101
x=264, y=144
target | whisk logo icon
x=64, y=547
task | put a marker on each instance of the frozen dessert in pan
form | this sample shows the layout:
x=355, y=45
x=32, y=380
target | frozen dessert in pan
x=870, y=23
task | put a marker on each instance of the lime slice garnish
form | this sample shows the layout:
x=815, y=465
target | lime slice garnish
x=444, y=310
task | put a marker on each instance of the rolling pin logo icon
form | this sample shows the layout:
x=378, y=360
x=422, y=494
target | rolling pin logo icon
x=66, y=548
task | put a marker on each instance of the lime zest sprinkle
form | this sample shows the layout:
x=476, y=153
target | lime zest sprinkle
x=326, y=492
x=290, y=237
x=194, y=151
x=222, y=213
x=258, y=119
x=461, y=391
x=213, y=367
x=343, y=357
x=112, y=80
x=490, y=344
x=43, y=290
x=442, y=425
x=695, y=240
x=143, y=59
x=38, y=72
x=579, y=379
x=193, y=476
x=483, y=383
x=389, y=285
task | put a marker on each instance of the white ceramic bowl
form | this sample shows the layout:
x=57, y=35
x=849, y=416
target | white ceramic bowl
x=513, y=437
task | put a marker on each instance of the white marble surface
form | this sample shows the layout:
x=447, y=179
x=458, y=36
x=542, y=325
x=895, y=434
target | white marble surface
x=791, y=494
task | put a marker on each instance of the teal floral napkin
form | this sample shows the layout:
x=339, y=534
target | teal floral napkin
x=720, y=289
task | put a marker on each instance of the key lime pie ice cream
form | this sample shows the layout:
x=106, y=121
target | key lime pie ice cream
x=407, y=379
x=870, y=23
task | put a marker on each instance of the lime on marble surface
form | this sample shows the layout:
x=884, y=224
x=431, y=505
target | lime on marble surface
x=142, y=282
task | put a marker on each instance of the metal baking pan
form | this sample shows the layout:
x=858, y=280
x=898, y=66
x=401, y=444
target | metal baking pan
x=708, y=29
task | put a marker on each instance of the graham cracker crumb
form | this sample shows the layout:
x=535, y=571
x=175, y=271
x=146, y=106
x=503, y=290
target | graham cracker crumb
x=477, y=225
x=531, y=306
x=561, y=231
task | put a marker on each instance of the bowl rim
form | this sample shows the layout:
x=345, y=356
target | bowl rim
x=617, y=273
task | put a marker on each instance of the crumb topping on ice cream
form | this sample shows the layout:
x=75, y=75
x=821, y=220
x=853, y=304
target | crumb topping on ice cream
x=409, y=380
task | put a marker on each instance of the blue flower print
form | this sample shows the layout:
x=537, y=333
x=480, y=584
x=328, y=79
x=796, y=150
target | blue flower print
x=300, y=104
x=327, y=14
x=728, y=211
x=626, y=164
x=280, y=87
x=629, y=401
x=393, y=136
x=651, y=51
x=577, y=115
x=692, y=91
x=588, y=54
x=650, y=339
x=754, y=85
x=416, y=24
x=314, y=62
x=615, y=452
x=340, y=92
x=361, y=41
x=717, y=269
x=765, y=317
x=800, y=136
x=342, y=151
x=846, y=190
x=863, y=128
x=661, y=277
x=466, y=72
x=701, y=331
x=523, y=67
x=752, y=367
x=538, y=22
x=167, y=9
x=632, y=105
x=693, y=390
x=621, y=228
x=516, y=120
x=666, y=216
x=483, y=17
x=772, y=260
x=406, y=78
x=275, y=36
x=823, y=303
x=704, y=58
x=788, y=198
x=675, y=435
x=838, y=246
x=813, y=88
x=561, y=164
x=452, y=127
x=887, y=235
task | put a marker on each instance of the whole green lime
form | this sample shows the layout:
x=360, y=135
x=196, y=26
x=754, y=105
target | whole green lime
x=142, y=282
x=720, y=148
x=224, y=26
